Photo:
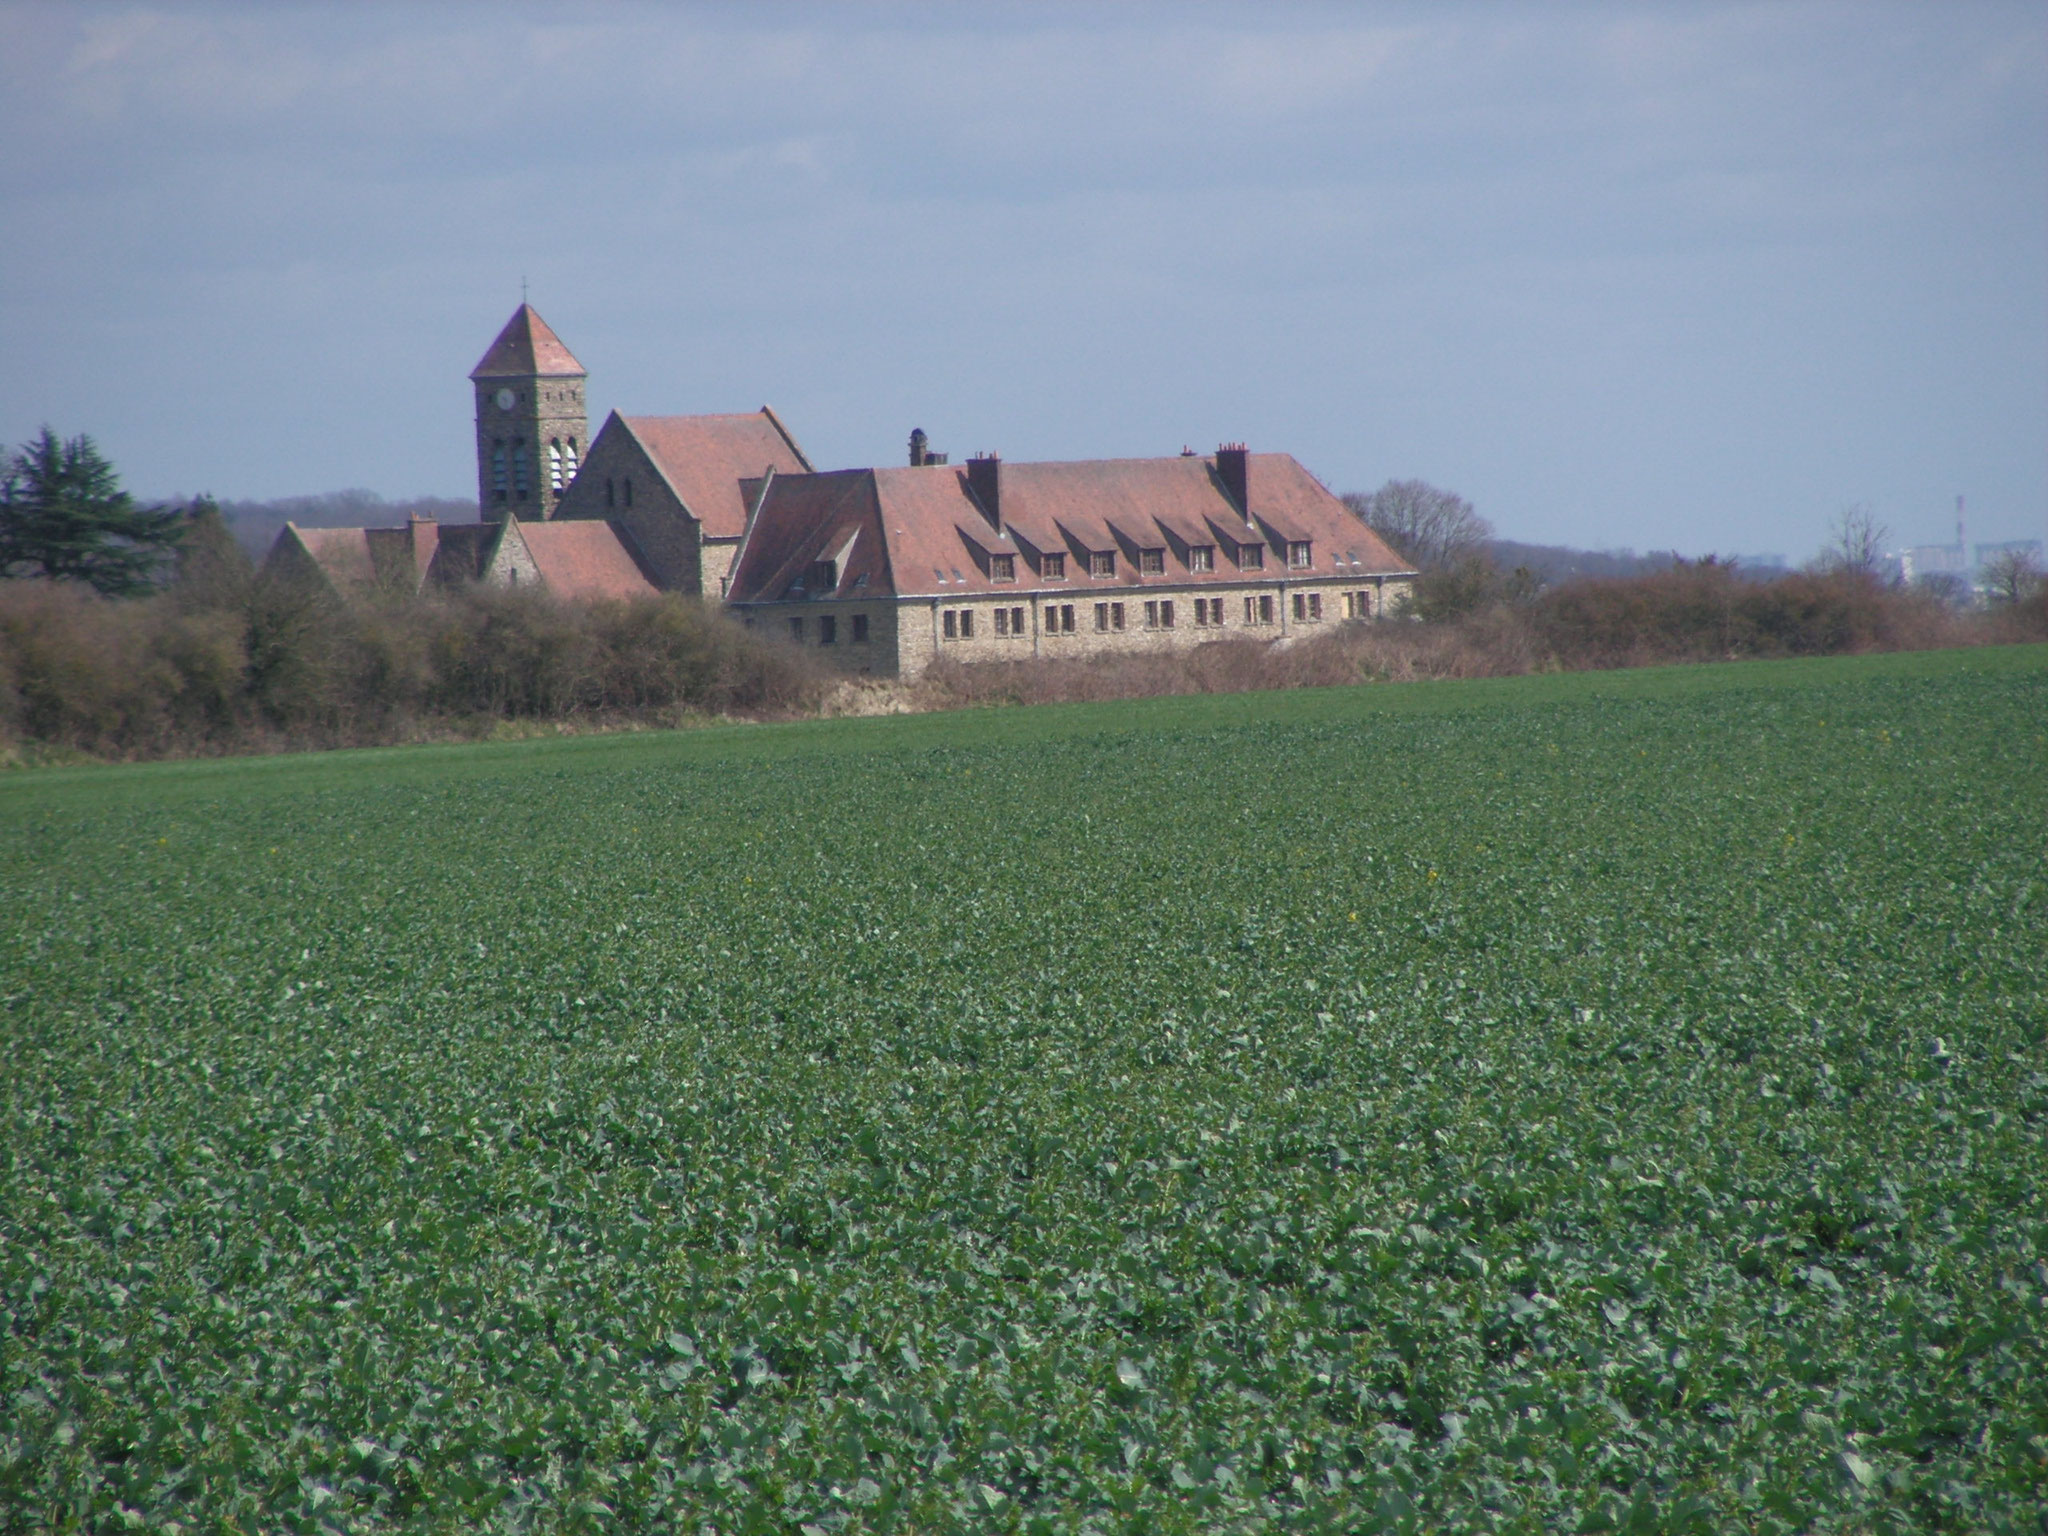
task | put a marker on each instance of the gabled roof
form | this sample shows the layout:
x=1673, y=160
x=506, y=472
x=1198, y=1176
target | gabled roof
x=925, y=535
x=527, y=347
x=354, y=558
x=704, y=458
x=585, y=560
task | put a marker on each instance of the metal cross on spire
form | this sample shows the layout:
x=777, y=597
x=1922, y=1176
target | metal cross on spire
x=522, y=288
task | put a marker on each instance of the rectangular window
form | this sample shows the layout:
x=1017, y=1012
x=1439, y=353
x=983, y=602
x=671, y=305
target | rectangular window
x=1002, y=622
x=1251, y=557
x=952, y=623
x=1101, y=617
x=1300, y=607
x=1208, y=611
x=966, y=623
x=1116, y=615
x=1102, y=563
x=1053, y=567
x=1151, y=615
x=828, y=630
x=796, y=630
x=1002, y=567
x=1202, y=557
x=1299, y=555
x=1066, y=618
x=1315, y=607
x=1017, y=626
x=1166, y=615
x=1266, y=608
x=1151, y=562
x=860, y=629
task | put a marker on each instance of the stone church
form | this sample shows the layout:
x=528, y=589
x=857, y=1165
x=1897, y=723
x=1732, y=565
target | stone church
x=880, y=570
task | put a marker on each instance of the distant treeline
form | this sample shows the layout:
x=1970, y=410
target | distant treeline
x=1552, y=564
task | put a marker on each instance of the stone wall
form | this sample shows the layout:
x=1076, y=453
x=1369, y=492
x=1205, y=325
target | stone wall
x=908, y=635
x=619, y=483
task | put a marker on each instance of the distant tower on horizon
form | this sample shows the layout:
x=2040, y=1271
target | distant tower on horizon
x=532, y=425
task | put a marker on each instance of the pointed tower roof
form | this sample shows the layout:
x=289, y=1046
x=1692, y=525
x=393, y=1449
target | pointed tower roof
x=527, y=347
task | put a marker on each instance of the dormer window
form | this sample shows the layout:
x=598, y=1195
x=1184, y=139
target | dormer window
x=1053, y=567
x=1251, y=557
x=1300, y=555
x=1202, y=557
x=823, y=577
x=1151, y=562
x=1102, y=563
x=1002, y=567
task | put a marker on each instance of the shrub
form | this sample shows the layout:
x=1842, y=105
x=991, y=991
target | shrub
x=241, y=663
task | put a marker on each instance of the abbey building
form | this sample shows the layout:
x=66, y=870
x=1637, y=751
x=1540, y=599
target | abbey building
x=881, y=570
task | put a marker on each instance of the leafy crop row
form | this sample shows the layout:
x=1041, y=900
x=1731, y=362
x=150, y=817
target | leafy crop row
x=1588, y=1112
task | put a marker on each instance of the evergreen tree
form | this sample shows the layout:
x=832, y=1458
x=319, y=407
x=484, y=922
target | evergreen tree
x=64, y=515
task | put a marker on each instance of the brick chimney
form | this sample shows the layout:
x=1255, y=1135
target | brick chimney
x=985, y=480
x=920, y=445
x=1232, y=462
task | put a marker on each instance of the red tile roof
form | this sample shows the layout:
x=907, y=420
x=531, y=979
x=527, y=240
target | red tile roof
x=704, y=458
x=357, y=557
x=524, y=348
x=919, y=532
x=585, y=561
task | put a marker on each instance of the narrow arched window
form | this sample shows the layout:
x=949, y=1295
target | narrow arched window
x=555, y=466
x=629, y=490
x=569, y=458
x=610, y=492
x=498, y=468
x=519, y=470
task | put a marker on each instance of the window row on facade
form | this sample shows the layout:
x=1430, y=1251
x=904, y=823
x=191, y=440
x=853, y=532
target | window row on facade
x=1151, y=561
x=1260, y=610
x=828, y=629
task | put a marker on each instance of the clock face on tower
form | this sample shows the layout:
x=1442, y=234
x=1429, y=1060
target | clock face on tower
x=504, y=398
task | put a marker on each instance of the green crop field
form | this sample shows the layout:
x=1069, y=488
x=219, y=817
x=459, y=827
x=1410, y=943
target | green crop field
x=1582, y=1103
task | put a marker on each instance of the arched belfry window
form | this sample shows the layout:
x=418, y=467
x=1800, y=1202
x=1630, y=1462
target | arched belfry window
x=519, y=469
x=569, y=458
x=498, y=468
x=555, y=466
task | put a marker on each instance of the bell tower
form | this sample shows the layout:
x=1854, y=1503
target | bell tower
x=532, y=426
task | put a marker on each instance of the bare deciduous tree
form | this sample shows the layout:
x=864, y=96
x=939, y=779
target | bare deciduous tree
x=2010, y=576
x=1435, y=529
x=1855, y=541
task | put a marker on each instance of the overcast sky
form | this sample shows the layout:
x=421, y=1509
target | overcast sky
x=1692, y=276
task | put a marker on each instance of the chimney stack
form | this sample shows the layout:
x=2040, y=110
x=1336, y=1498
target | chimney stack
x=985, y=480
x=1233, y=466
x=919, y=444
